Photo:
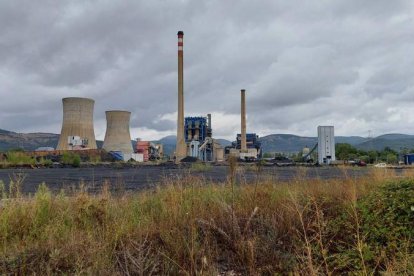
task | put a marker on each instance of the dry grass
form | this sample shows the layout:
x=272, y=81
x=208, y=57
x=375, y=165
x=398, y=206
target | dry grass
x=190, y=227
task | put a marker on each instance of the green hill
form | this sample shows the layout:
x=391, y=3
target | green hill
x=287, y=143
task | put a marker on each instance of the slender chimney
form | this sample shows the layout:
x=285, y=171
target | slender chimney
x=243, y=121
x=181, y=148
x=209, y=120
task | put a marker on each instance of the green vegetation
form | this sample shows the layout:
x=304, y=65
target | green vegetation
x=388, y=214
x=268, y=155
x=347, y=152
x=309, y=227
x=19, y=158
x=344, y=151
x=45, y=162
x=70, y=158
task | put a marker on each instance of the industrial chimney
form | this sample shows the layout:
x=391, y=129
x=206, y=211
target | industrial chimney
x=117, y=136
x=181, y=147
x=77, y=126
x=243, y=121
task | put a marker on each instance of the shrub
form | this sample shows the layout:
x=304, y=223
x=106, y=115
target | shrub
x=45, y=162
x=388, y=216
x=69, y=158
x=19, y=158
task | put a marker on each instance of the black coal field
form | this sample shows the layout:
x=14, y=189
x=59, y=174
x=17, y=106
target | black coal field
x=92, y=179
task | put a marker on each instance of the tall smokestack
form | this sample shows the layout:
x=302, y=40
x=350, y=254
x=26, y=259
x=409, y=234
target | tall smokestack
x=243, y=121
x=181, y=148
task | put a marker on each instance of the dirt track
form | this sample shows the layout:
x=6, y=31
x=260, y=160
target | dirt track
x=150, y=176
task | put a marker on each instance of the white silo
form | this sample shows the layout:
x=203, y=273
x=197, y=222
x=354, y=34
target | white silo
x=326, y=144
x=77, y=126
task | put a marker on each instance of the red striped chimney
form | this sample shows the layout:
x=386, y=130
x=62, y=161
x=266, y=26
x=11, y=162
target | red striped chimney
x=181, y=147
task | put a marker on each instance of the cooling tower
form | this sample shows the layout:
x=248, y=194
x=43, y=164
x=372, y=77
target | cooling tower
x=77, y=123
x=117, y=136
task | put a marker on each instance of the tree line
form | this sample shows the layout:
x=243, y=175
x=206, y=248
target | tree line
x=347, y=152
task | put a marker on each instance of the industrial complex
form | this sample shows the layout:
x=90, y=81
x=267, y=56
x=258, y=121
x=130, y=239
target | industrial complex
x=195, y=135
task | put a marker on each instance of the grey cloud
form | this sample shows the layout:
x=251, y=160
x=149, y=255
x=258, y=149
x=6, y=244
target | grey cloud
x=302, y=63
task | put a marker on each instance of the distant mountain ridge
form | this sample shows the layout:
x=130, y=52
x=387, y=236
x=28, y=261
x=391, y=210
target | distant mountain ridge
x=293, y=143
x=28, y=141
x=286, y=143
x=394, y=140
x=289, y=143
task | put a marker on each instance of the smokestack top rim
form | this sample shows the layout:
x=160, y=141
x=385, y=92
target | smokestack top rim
x=77, y=99
x=243, y=90
x=180, y=33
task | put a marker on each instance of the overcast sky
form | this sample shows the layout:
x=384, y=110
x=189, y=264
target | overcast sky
x=346, y=63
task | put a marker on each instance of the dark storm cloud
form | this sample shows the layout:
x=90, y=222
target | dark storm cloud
x=303, y=63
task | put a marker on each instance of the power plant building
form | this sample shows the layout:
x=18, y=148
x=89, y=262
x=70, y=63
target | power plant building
x=247, y=145
x=326, y=145
x=198, y=137
x=117, y=136
x=77, y=126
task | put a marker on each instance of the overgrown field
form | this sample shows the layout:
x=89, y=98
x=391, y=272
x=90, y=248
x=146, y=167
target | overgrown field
x=189, y=226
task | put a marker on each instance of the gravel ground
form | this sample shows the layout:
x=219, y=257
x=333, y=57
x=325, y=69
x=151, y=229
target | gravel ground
x=144, y=177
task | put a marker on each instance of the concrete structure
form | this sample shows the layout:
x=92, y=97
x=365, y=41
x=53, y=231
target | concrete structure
x=117, y=136
x=306, y=154
x=253, y=147
x=326, y=144
x=193, y=149
x=218, y=151
x=247, y=145
x=249, y=154
x=77, y=121
x=181, y=147
x=138, y=157
x=243, y=121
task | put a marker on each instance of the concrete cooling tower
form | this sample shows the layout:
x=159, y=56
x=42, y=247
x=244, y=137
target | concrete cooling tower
x=117, y=136
x=77, y=127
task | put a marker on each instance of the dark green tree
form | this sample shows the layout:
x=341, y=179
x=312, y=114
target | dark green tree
x=344, y=151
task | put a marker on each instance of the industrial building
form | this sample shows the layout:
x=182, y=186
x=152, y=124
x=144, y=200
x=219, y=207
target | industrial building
x=247, y=145
x=149, y=150
x=326, y=145
x=117, y=136
x=194, y=134
x=198, y=135
x=253, y=149
x=77, y=126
